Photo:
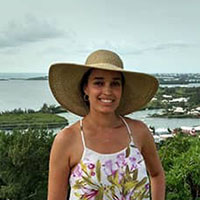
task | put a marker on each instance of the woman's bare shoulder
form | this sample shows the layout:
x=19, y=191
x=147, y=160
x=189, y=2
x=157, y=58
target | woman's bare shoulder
x=139, y=131
x=137, y=125
x=67, y=135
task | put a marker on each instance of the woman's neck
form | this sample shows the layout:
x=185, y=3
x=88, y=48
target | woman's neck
x=102, y=120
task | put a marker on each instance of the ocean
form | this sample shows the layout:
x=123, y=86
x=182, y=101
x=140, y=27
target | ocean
x=32, y=94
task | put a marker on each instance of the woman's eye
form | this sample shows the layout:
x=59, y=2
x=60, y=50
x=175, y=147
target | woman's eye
x=99, y=83
x=116, y=83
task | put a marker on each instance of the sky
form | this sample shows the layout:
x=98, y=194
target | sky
x=151, y=36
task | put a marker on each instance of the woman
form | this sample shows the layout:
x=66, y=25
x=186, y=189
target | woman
x=105, y=155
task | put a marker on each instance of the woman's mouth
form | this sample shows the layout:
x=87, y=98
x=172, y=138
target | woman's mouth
x=106, y=100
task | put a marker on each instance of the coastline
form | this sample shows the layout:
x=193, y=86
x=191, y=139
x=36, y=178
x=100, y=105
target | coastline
x=31, y=91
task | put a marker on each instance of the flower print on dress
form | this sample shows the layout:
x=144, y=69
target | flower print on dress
x=108, y=168
x=121, y=161
x=77, y=171
x=116, y=177
x=89, y=194
x=147, y=186
x=91, y=166
x=133, y=161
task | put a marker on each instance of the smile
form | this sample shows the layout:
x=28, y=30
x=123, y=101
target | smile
x=106, y=100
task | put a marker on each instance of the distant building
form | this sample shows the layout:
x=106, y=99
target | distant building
x=198, y=109
x=179, y=110
x=167, y=96
x=154, y=99
x=190, y=130
x=181, y=99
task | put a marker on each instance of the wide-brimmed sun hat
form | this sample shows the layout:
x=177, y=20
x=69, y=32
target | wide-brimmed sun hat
x=65, y=80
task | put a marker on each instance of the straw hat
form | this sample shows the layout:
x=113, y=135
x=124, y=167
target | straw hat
x=65, y=79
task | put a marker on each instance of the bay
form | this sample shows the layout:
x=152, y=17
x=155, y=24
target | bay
x=150, y=121
x=25, y=94
x=32, y=94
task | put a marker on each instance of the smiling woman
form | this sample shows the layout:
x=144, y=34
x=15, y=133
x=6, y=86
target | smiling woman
x=103, y=90
x=104, y=155
x=99, y=81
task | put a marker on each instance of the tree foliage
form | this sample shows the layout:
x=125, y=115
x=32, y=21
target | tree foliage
x=191, y=93
x=181, y=160
x=24, y=157
x=9, y=121
x=53, y=109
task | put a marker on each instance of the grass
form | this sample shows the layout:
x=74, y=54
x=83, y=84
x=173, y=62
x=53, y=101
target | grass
x=36, y=120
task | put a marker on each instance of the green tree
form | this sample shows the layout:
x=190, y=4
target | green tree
x=24, y=157
x=181, y=159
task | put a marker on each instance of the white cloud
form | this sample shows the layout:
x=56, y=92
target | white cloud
x=127, y=48
x=155, y=47
x=30, y=29
x=169, y=45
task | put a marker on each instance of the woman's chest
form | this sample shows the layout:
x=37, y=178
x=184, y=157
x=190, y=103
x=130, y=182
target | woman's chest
x=111, y=173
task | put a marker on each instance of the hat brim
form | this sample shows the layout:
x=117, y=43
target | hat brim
x=65, y=79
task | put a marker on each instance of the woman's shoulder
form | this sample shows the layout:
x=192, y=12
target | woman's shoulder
x=66, y=137
x=140, y=132
x=65, y=145
x=137, y=125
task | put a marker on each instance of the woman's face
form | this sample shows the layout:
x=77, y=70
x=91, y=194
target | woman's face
x=104, y=89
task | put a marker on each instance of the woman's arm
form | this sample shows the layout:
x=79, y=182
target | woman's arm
x=145, y=142
x=59, y=168
x=153, y=164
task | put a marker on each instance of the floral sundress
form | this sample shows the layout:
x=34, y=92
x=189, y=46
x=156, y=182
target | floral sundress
x=116, y=176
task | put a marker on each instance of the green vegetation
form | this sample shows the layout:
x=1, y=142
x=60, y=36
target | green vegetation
x=24, y=157
x=167, y=99
x=172, y=115
x=193, y=95
x=44, y=109
x=36, y=120
x=45, y=117
x=181, y=159
x=51, y=109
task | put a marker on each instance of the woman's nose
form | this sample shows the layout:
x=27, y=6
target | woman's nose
x=107, y=90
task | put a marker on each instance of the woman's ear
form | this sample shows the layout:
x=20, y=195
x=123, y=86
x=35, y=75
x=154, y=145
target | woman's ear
x=85, y=89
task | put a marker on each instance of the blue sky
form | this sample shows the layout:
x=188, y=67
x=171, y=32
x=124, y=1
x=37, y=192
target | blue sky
x=154, y=36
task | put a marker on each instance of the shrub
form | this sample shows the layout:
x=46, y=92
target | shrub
x=24, y=157
x=181, y=159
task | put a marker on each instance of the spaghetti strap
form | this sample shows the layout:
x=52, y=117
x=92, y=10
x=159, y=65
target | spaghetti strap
x=82, y=135
x=128, y=128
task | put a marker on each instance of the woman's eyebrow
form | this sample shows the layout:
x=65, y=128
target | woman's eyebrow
x=98, y=78
x=101, y=78
x=117, y=78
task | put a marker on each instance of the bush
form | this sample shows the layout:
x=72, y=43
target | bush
x=181, y=159
x=24, y=157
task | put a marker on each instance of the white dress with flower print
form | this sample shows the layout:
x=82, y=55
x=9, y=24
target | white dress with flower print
x=117, y=176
